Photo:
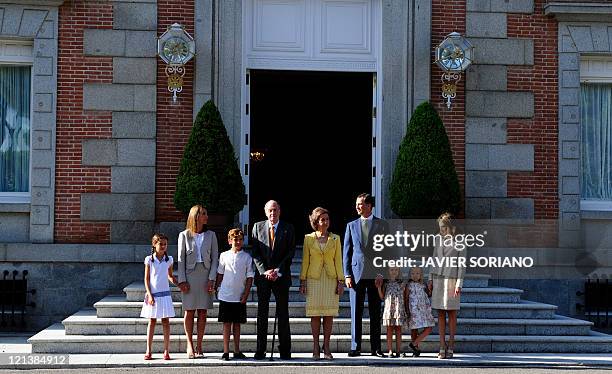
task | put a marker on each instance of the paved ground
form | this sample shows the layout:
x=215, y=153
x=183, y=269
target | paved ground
x=15, y=354
x=335, y=369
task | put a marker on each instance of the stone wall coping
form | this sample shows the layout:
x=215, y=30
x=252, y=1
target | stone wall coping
x=596, y=214
x=35, y=2
x=15, y=208
x=79, y=253
x=600, y=11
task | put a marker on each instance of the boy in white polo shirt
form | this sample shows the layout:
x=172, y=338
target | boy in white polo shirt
x=234, y=279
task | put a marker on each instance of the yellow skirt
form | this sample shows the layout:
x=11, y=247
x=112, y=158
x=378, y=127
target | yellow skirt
x=321, y=296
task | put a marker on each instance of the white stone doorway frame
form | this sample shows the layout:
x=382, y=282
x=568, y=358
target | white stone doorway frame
x=312, y=50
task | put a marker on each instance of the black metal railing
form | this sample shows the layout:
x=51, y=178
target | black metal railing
x=597, y=305
x=14, y=300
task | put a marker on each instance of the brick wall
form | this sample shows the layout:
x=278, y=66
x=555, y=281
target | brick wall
x=73, y=125
x=447, y=17
x=542, y=130
x=174, y=121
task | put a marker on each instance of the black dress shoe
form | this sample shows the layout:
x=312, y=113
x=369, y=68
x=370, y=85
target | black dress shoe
x=285, y=356
x=378, y=353
x=260, y=355
x=239, y=356
x=225, y=356
x=354, y=353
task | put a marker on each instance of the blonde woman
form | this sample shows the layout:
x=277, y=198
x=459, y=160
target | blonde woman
x=198, y=259
x=321, y=279
x=445, y=284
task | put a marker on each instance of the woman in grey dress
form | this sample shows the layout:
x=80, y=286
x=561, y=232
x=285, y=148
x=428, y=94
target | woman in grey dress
x=445, y=284
x=198, y=258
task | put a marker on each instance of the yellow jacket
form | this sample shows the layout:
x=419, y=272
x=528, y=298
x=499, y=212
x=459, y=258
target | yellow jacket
x=314, y=259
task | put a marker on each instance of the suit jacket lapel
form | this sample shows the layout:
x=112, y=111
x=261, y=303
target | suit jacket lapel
x=279, y=233
x=265, y=233
x=357, y=228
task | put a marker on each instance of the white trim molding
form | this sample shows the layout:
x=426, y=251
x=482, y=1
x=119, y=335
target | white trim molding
x=596, y=69
x=578, y=11
x=16, y=52
x=596, y=205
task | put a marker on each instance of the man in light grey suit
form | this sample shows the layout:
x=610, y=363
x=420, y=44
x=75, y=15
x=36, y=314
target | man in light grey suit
x=360, y=274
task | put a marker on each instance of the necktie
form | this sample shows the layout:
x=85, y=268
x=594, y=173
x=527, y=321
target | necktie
x=271, y=237
x=365, y=231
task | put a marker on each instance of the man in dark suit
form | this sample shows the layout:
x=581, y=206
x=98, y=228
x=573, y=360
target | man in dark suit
x=273, y=247
x=360, y=274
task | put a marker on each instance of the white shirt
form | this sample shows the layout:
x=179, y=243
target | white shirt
x=158, y=273
x=236, y=267
x=199, y=239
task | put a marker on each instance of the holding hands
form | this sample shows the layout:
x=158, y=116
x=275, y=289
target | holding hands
x=379, y=281
x=149, y=299
x=184, y=287
x=211, y=286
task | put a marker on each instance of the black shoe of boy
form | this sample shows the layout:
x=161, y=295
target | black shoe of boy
x=239, y=356
x=225, y=356
x=260, y=355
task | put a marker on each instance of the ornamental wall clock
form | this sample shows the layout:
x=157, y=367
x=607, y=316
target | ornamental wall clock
x=175, y=47
x=453, y=55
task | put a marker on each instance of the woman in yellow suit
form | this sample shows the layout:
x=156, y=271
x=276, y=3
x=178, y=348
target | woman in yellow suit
x=321, y=278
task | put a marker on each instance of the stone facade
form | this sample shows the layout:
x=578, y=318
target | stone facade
x=107, y=141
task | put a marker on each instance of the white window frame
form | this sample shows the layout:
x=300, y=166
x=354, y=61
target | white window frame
x=596, y=69
x=19, y=53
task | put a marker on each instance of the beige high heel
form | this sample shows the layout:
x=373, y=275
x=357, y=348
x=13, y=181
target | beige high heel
x=442, y=353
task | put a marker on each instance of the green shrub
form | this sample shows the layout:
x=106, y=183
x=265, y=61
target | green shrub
x=209, y=173
x=425, y=181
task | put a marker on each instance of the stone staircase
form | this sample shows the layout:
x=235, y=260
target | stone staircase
x=491, y=319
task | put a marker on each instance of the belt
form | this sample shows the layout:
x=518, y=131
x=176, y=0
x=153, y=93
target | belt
x=161, y=294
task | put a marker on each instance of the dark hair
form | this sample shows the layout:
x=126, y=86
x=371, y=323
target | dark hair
x=156, y=239
x=367, y=198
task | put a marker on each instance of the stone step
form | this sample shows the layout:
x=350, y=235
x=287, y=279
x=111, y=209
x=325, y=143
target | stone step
x=116, y=306
x=55, y=340
x=135, y=292
x=85, y=322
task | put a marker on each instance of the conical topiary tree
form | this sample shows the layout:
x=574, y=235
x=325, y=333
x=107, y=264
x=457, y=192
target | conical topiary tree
x=425, y=182
x=209, y=173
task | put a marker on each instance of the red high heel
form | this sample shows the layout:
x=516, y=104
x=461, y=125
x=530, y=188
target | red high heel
x=166, y=356
x=147, y=356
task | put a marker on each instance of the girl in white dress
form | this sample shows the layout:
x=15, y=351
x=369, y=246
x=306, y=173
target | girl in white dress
x=158, y=299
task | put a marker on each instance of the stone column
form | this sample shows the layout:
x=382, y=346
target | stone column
x=130, y=207
x=488, y=156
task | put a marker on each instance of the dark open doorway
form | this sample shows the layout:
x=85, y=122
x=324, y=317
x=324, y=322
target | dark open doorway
x=314, y=129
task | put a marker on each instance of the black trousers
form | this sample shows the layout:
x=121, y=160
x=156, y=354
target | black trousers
x=357, y=295
x=280, y=288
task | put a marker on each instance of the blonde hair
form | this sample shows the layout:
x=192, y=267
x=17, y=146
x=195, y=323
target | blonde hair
x=415, y=269
x=235, y=233
x=315, y=215
x=446, y=219
x=192, y=220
